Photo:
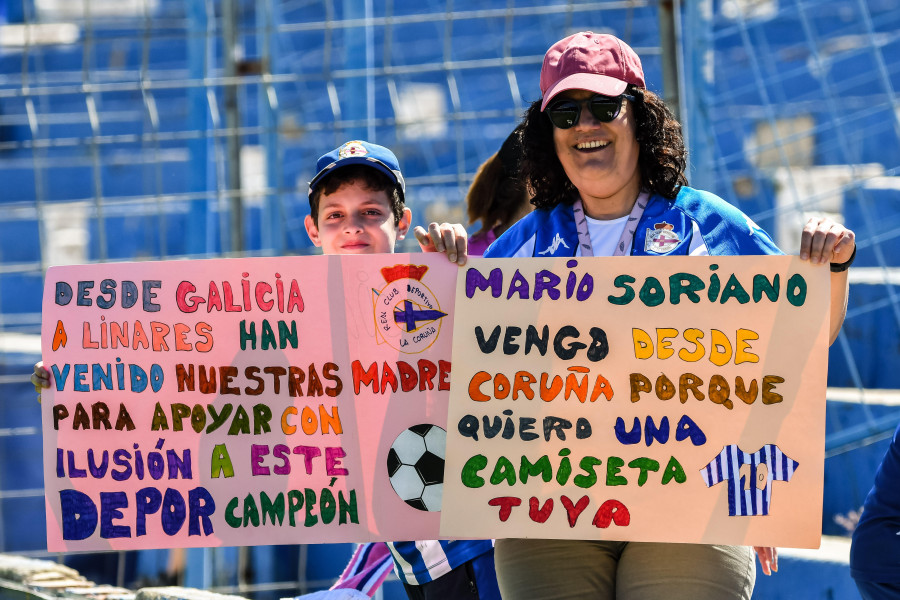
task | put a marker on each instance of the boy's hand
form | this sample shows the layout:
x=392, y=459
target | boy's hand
x=40, y=378
x=825, y=241
x=449, y=238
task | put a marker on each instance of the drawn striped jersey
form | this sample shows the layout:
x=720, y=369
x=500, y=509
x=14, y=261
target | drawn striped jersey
x=749, y=476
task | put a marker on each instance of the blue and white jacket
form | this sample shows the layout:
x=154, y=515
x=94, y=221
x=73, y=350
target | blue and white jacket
x=875, y=549
x=694, y=223
x=419, y=562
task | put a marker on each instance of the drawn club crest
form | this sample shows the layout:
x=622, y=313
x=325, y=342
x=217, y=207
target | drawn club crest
x=407, y=313
x=662, y=239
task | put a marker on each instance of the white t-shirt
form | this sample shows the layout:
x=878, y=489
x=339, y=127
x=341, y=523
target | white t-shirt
x=604, y=234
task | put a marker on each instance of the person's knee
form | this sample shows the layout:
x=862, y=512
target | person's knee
x=686, y=571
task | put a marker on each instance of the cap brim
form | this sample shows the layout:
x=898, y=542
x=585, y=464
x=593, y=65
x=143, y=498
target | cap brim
x=357, y=160
x=599, y=84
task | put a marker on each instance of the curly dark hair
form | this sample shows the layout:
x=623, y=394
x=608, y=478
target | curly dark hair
x=662, y=159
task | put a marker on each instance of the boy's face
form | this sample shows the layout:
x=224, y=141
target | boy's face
x=356, y=220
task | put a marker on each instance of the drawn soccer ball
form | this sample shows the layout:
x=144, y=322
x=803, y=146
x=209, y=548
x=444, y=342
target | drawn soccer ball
x=415, y=465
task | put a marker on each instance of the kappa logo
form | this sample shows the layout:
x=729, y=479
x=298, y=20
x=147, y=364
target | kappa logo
x=408, y=315
x=554, y=246
x=752, y=226
x=662, y=239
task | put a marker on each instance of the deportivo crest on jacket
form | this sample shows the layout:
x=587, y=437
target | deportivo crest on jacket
x=661, y=239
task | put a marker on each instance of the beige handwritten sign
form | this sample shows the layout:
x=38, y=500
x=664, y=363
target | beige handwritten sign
x=648, y=399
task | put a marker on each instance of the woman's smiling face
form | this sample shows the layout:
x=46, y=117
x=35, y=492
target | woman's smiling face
x=601, y=159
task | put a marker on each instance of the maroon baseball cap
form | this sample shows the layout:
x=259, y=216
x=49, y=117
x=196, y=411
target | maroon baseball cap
x=597, y=62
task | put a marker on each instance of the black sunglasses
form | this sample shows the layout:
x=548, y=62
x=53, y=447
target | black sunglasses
x=564, y=113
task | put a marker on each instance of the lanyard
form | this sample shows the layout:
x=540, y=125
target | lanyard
x=624, y=245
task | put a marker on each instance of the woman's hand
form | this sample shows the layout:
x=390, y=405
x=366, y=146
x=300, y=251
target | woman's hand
x=824, y=240
x=449, y=238
x=40, y=378
x=768, y=559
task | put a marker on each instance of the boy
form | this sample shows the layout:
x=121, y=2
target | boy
x=357, y=206
x=356, y=203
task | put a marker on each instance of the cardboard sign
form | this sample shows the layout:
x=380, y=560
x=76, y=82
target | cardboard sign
x=246, y=401
x=651, y=399
x=305, y=400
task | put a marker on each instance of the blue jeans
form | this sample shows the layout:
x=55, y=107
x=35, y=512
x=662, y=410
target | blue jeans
x=870, y=590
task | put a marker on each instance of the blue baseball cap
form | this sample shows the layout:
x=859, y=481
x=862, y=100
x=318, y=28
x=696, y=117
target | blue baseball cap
x=357, y=152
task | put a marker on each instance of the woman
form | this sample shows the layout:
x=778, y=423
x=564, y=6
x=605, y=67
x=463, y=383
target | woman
x=605, y=160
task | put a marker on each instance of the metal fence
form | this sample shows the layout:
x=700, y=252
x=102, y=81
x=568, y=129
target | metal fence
x=164, y=129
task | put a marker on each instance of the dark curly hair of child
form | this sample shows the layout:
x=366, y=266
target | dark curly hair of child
x=497, y=195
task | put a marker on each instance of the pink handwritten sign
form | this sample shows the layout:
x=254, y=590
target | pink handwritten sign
x=646, y=399
x=246, y=401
